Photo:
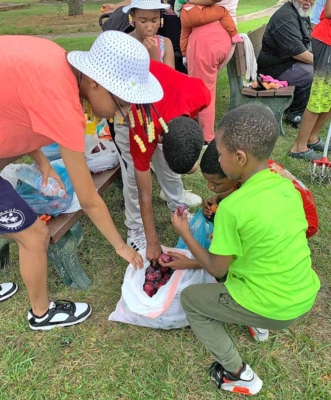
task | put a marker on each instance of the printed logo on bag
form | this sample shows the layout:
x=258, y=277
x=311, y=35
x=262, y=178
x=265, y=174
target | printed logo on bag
x=11, y=219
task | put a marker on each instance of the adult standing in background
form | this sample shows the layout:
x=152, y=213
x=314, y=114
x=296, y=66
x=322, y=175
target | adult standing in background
x=208, y=51
x=318, y=110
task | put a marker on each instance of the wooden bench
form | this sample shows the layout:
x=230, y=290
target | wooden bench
x=66, y=233
x=278, y=100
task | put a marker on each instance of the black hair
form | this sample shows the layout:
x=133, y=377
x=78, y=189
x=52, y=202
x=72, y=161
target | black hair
x=209, y=163
x=251, y=128
x=182, y=144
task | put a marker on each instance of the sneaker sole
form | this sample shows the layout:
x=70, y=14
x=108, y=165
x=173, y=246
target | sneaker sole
x=49, y=327
x=9, y=295
x=246, y=390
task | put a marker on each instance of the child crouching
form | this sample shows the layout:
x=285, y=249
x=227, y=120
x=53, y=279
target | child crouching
x=262, y=248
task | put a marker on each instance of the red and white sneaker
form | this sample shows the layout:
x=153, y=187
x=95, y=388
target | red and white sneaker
x=247, y=382
x=258, y=334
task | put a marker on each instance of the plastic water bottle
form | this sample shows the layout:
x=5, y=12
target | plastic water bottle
x=32, y=176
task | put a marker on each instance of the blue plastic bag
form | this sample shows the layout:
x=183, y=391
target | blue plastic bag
x=201, y=230
x=52, y=151
x=42, y=204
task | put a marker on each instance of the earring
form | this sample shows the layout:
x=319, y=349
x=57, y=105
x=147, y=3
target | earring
x=162, y=22
x=131, y=21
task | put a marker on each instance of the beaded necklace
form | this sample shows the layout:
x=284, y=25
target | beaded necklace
x=144, y=116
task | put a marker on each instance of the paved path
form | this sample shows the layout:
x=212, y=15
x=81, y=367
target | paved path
x=262, y=13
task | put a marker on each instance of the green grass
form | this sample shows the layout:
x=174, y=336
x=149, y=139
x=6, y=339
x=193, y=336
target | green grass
x=77, y=43
x=103, y=360
x=49, y=18
x=84, y=43
x=250, y=6
x=247, y=26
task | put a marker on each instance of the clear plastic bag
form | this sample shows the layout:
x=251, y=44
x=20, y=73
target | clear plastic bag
x=201, y=230
x=42, y=204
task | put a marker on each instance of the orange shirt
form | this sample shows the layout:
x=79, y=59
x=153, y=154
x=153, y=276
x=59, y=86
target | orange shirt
x=39, y=98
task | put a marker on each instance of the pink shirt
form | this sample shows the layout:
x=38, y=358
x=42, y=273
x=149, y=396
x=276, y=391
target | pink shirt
x=39, y=98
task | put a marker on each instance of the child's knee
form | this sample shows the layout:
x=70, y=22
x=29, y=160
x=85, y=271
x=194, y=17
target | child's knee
x=36, y=237
x=186, y=297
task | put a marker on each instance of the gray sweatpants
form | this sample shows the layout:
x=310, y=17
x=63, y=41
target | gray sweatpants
x=207, y=306
x=170, y=182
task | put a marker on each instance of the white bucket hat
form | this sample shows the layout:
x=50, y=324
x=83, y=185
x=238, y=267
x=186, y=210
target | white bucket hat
x=146, y=5
x=120, y=64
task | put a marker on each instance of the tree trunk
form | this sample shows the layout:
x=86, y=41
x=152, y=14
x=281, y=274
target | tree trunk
x=75, y=7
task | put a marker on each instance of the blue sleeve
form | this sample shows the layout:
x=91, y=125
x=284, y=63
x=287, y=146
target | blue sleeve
x=315, y=17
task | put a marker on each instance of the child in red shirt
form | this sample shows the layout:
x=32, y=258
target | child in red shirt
x=181, y=140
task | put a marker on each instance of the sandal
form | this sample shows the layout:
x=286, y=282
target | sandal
x=318, y=146
x=308, y=155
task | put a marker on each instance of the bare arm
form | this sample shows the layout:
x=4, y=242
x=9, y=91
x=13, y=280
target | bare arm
x=144, y=184
x=184, y=36
x=94, y=206
x=216, y=265
x=169, y=56
x=109, y=8
x=203, y=2
x=328, y=9
x=305, y=57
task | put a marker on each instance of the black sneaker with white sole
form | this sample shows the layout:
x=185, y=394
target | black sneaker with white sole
x=7, y=290
x=60, y=313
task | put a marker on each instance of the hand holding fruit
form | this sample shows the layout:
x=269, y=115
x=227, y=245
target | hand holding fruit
x=209, y=206
x=176, y=261
x=180, y=222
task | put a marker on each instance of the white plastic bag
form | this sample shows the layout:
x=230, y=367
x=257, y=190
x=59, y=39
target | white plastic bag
x=104, y=154
x=163, y=310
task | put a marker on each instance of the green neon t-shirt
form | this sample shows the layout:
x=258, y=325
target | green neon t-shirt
x=263, y=226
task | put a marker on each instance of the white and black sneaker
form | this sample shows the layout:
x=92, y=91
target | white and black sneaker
x=7, y=290
x=60, y=313
x=247, y=382
x=137, y=238
x=258, y=334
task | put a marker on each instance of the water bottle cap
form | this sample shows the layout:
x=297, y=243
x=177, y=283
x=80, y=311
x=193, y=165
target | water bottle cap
x=61, y=193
